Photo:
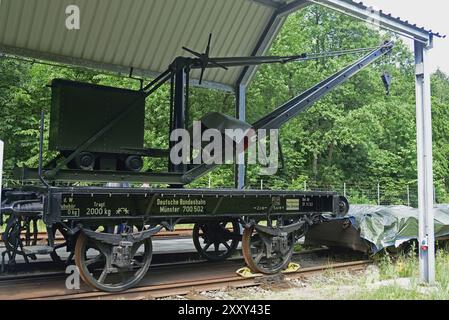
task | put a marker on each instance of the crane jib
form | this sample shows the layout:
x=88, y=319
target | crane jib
x=303, y=101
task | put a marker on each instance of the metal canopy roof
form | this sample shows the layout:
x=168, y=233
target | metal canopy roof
x=144, y=34
x=147, y=35
x=385, y=20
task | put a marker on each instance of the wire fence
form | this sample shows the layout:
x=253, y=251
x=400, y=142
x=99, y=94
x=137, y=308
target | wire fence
x=376, y=194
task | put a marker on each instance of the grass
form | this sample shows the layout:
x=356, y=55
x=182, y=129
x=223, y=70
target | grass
x=391, y=293
x=391, y=277
x=407, y=266
x=403, y=265
x=297, y=247
x=40, y=225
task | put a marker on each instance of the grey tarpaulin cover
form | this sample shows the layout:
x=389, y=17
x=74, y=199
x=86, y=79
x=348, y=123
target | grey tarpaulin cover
x=379, y=226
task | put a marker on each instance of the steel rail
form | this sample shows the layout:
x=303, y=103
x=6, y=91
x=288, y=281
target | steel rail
x=210, y=284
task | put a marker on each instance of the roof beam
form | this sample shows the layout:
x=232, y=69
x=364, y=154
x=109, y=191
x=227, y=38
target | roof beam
x=262, y=45
x=291, y=7
x=98, y=66
x=268, y=35
x=347, y=7
x=269, y=3
x=369, y=15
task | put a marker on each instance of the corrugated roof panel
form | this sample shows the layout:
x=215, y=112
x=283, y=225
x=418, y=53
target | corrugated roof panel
x=3, y=19
x=119, y=24
x=94, y=33
x=388, y=16
x=13, y=18
x=106, y=35
x=240, y=13
x=144, y=34
x=220, y=35
x=136, y=16
x=148, y=39
x=177, y=15
x=257, y=21
x=59, y=35
x=51, y=26
x=167, y=25
x=243, y=41
x=187, y=19
x=27, y=14
x=398, y=19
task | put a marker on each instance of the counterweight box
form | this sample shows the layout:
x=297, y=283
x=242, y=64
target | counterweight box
x=80, y=110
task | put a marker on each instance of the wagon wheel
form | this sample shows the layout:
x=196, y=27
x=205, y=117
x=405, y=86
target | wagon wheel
x=214, y=241
x=343, y=206
x=94, y=261
x=16, y=227
x=12, y=241
x=55, y=255
x=266, y=254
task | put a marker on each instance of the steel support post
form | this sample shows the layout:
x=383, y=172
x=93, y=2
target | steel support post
x=179, y=117
x=425, y=164
x=240, y=169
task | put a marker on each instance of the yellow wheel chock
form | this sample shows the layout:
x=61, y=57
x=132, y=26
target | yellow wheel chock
x=247, y=273
x=292, y=267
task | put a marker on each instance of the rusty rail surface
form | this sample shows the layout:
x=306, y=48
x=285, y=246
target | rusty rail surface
x=221, y=281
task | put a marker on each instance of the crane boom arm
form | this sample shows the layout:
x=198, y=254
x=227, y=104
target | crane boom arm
x=302, y=102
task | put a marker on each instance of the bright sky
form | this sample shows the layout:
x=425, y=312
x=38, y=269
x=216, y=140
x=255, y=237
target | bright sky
x=431, y=14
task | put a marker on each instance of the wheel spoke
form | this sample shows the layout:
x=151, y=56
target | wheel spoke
x=138, y=264
x=134, y=249
x=259, y=257
x=62, y=245
x=257, y=244
x=94, y=260
x=103, y=275
x=207, y=246
x=226, y=245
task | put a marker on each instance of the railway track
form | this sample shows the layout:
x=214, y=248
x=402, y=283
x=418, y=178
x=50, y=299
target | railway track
x=222, y=282
x=166, y=280
x=209, y=284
